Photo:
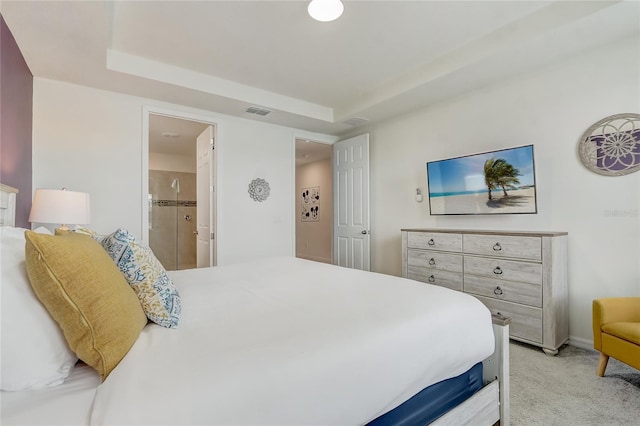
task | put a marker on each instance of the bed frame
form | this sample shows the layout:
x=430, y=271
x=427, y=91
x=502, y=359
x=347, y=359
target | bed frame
x=488, y=406
x=7, y=205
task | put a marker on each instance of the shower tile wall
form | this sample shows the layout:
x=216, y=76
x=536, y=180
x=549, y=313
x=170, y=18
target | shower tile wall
x=171, y=236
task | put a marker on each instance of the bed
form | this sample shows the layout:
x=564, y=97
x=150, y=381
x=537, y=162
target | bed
x=286, y=341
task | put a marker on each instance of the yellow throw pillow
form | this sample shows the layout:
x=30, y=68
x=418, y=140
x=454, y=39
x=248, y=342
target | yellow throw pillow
x=85, y=292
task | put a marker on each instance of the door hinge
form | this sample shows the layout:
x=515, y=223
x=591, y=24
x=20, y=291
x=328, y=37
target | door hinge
x=213, y=235
x=212, y=144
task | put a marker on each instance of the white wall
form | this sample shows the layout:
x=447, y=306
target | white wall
x=549, y=108
x=314, y=239
x=91, y=140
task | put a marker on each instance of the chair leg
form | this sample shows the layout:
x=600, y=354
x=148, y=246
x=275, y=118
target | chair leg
x=602, y=364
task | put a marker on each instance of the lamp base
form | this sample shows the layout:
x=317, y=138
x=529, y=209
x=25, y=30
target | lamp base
x=62, y=230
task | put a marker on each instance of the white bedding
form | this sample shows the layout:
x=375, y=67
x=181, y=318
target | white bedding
x=68, y=404
x=286, y=341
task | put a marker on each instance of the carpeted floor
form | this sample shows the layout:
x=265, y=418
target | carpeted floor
x=564, y=390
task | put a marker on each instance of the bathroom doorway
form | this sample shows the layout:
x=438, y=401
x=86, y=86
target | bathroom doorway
x=175, y=201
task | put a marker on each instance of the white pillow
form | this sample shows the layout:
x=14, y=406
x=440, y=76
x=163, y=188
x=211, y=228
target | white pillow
x=34, y=352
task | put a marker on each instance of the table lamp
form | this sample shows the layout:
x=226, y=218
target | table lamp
x=60, y=206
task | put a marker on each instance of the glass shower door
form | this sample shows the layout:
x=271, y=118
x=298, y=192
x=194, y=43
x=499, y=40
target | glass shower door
x=163, y=218
x=172, y=218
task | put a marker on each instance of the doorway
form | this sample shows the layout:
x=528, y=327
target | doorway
x=314, y=201
x=175, y=201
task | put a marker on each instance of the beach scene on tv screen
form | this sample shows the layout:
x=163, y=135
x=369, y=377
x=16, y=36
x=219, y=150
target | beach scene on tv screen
x=495, y=182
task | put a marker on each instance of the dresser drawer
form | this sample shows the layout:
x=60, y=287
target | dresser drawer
x=501, y=269
x=452, y=280
x=518, y=292
x=435, y=241
x=526, y=322
x=504, y=246
x=435, y=260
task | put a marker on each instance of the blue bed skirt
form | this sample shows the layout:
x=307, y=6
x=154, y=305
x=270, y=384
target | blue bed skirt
x=432, y=402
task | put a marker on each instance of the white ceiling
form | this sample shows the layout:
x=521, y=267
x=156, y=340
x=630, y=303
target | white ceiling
x=309, y=152
x=378, y=60
x=174, y=136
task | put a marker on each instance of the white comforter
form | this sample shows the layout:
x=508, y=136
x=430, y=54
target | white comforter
x=286, y=341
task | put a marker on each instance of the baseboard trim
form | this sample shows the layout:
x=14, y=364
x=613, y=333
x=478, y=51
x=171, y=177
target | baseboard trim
x=581, y=343
x=314, y=258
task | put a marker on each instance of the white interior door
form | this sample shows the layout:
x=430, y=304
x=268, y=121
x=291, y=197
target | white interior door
x=351, y=233
x=205, y=185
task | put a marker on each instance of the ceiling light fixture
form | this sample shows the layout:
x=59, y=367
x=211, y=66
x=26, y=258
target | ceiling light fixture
x=325, y=10
x=170, y=134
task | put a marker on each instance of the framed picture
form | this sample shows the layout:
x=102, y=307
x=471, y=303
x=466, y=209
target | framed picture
x=310, y=200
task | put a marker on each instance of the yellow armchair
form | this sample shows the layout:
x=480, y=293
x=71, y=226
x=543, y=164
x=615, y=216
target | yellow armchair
x=616, y=331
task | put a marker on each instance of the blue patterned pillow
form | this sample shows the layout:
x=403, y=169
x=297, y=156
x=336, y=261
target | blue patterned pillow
x=146, y=275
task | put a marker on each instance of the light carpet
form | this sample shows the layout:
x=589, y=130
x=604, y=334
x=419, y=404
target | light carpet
x=564, y=390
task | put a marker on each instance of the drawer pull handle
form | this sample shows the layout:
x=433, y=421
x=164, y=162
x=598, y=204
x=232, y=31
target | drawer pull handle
x=497, y=270
x=497, y=291
x=432, y=261
x=431, y=242
x=432, y=279
x=497, y=247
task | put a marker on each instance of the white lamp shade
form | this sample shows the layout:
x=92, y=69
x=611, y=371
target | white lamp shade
x=60, y=206
x=325, y=10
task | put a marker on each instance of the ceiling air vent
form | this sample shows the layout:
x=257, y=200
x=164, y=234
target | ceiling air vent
x=356, y=121
x=257, y=111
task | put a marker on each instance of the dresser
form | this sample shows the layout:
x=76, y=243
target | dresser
x=521, y=275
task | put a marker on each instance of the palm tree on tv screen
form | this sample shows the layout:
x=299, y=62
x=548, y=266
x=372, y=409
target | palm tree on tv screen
x=498, y=173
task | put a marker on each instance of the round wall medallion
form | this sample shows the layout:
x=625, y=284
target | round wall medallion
x=611, y=146
x=259, y=189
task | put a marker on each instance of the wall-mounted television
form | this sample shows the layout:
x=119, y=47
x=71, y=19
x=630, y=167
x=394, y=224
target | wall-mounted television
x=495, y=182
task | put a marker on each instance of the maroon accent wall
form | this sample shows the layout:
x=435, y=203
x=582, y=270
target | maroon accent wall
x=16, y=119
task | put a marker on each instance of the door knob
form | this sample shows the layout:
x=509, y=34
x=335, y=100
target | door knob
x=195, y=232
x=364, y=232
